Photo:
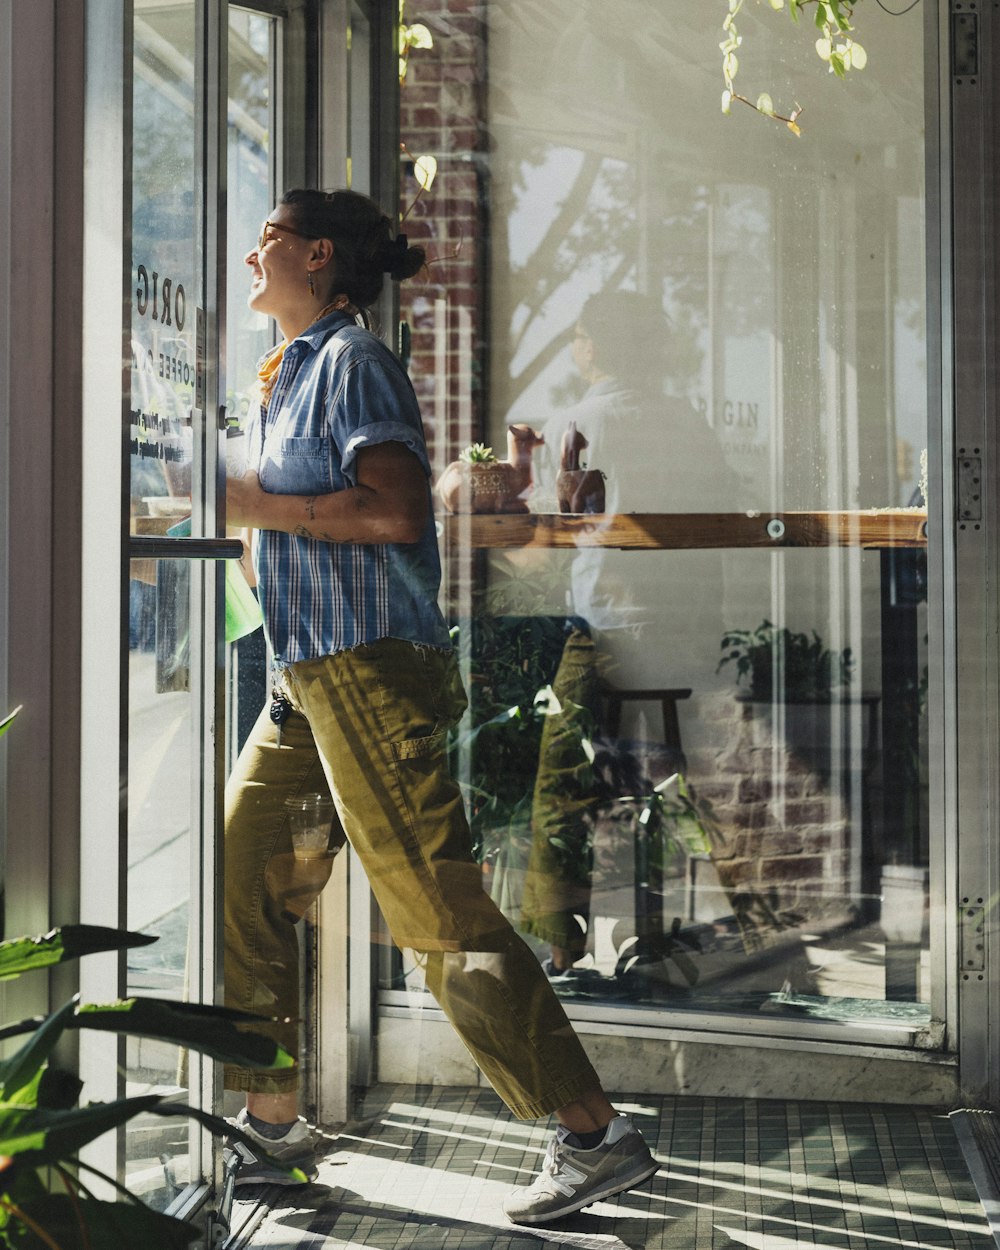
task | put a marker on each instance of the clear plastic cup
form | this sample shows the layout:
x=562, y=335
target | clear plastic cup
x=311, y=818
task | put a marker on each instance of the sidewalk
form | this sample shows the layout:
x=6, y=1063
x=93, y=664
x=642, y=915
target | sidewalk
x=427, y=1167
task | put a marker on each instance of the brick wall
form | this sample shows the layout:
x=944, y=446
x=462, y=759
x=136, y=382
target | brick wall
x=442, y=103
x=792, y=814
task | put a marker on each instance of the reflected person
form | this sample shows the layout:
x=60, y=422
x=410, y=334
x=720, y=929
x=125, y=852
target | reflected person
x=343, y=543
x=642, y=618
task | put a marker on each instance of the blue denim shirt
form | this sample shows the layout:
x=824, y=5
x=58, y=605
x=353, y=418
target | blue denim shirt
x=339, y=389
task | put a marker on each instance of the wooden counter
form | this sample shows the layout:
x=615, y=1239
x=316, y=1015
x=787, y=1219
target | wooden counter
x=875, y=529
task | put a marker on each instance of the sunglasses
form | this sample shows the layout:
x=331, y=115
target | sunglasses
x=276, y=227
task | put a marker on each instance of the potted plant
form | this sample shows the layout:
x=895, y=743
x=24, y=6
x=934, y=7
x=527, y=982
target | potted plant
x=795, y=668
x=795, y=684
x=44, y=1197
x=478, y=481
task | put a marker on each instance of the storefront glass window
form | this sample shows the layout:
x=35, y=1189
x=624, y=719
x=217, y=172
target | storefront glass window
x=692, y=608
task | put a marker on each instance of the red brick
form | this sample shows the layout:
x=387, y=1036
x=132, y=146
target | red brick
x=794, y=868
x=752, y=816
x=820, y=810
x=780, y=842
x=755, y=789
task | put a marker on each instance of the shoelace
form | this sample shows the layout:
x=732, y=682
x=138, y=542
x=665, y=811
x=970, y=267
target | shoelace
x=550, y=1167
x=560, y=1172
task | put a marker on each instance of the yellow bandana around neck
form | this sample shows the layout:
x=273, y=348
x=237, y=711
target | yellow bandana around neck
x=267, y=370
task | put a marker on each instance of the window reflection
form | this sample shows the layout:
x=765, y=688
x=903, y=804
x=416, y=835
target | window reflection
x=712, y=319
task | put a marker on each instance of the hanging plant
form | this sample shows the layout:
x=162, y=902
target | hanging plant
x=835, y=46
x=412, y=36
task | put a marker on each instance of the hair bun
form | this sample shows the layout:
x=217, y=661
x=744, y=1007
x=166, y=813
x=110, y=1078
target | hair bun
x=399, y=260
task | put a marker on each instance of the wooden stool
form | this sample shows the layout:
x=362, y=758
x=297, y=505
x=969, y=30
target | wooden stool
x=667, y=699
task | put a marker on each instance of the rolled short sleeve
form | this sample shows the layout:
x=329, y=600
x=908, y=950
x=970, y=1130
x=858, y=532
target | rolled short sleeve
x=375, y=403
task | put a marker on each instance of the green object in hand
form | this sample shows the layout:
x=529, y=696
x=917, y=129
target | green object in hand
x=243, y=614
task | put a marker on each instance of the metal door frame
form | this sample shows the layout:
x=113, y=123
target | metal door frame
x=971, y=477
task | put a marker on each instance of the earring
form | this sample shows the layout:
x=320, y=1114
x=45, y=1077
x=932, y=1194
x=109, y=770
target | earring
x=312, y=285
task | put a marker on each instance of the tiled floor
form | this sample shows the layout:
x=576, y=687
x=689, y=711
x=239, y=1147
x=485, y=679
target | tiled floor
x=426, y=1168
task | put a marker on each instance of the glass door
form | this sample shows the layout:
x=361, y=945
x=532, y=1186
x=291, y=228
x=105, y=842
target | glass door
x=172, y=651
x=184, y=424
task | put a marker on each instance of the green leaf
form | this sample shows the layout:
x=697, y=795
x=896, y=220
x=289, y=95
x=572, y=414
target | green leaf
x=212, y=1030
x=107, y=1224
x=39, y=1136
x=425, y=170
x=765, y=104
x=71, y=941
x=8, y=720
x=25, y=1064
x=418, y=36
x=835, y=9
x=222, y=1128
x=27, y=1095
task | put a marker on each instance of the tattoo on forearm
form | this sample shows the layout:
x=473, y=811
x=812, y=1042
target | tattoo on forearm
x=311, y=507
x=303, y=531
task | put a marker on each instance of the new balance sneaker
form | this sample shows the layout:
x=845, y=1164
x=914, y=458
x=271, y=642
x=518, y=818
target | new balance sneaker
x=572, y=1178
x=295, y=1149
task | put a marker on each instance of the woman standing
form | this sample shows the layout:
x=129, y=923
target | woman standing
x=366, y=688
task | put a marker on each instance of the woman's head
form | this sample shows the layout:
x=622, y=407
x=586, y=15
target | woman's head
x=334, y=244
x=623, y=334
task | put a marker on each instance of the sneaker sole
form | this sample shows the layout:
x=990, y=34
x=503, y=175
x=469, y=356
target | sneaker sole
x=308, y=1166
x=618, y=1186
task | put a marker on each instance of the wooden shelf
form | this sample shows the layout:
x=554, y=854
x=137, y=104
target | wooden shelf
x=875, y=529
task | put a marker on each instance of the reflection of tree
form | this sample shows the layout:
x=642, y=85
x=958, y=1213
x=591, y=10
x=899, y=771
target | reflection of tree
x=599, y=237
x=605, y=230
x=163, y=117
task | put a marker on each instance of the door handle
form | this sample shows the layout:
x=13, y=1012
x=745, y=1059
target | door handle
x=157, y=547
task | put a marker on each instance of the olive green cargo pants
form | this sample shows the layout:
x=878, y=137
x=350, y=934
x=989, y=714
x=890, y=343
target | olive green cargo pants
x=370, y=724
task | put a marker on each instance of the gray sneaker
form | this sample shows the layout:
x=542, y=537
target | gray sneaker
x=295, y=1149
x=572, y=1178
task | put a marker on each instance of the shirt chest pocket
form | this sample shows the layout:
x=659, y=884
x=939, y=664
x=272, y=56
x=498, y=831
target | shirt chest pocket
x=296, y=466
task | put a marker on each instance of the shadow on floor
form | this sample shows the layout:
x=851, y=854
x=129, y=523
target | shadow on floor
x=427, y=1168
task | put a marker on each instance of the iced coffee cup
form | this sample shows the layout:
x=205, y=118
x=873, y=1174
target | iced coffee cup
x=296, y=877
x=311, y=817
